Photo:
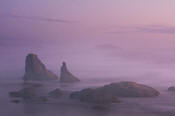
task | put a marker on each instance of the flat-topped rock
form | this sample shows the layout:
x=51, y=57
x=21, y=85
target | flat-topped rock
x=36, y=70
x=171, y=88
x=130, y=89
x=109, y=93
x=66, y=76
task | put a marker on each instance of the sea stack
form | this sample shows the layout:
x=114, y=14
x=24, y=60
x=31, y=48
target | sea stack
x=36, y=70
x=66, y=76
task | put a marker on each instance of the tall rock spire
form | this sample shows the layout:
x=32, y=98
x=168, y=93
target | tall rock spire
x=66, y=76
x=36, y=70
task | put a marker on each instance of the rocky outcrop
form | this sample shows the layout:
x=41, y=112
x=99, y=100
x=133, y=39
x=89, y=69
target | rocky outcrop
x=130, y=89
x=109, y=93
x=171, y=89
x=66, y=76
x=15, y=101
x=97, y=96
x=56, y=93
x=25, y=93
x=36, y=70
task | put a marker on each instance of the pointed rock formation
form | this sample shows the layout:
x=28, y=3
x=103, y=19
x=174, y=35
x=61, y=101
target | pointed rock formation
x=66, y=76
x=36, y=70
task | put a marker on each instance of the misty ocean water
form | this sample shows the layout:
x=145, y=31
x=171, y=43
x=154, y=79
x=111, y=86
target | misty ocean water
x=163, y=105
x=102, y=41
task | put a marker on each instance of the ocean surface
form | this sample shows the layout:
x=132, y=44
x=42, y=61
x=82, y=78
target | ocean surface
x=163, y=105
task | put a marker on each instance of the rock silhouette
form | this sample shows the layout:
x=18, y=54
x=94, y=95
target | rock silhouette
x=66, y=76
x=171, y=88
x=108, y=93
x=36, y=70
x=96, y=96
x=56, y=93
x=131, y=89
x=25, y=93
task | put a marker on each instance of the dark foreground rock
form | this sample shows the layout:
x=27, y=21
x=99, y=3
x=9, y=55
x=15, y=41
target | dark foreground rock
x=97, y=96
x=109, y=93
x=15, y=101
x=36, y=70
x=171, y=88
x=25, y=93
x=66, y=76
x=56, y=93
x=130, y=89
x=33, y=94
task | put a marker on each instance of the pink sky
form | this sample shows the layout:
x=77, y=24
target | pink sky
x=94, y=34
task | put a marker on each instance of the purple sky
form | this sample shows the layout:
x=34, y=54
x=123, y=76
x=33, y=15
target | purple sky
x=94, y=37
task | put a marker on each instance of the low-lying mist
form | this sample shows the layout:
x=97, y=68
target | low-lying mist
x=107, y=71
